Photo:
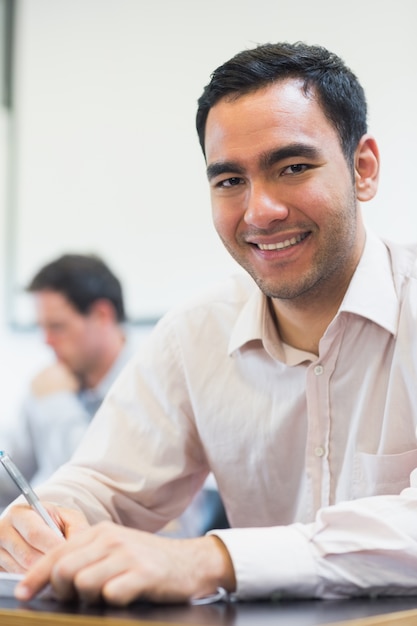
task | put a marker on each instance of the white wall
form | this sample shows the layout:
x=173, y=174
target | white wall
x=107, y=158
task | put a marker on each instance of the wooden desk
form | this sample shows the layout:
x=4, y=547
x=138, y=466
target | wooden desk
x=356, y=612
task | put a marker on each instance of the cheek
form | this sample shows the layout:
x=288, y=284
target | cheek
x=76, y=341
x=321, y=202
x=222, y=224
x=225, y=216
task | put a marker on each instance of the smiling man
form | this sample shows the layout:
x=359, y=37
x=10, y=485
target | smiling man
x=293, y=383
x=272, y=162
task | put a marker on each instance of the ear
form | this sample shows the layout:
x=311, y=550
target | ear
x=366, y=168
x=103, y=310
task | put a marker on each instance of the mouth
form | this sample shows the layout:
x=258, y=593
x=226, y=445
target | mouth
x=281, y=245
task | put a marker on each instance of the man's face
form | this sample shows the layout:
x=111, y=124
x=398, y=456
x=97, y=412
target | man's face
x=283, y=197
x=72, y=336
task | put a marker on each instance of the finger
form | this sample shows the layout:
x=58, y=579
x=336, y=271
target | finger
x=123, y=589
x=86, y=565
x=19, y=565
x=32, y=528
x=59, y=567
x=90, y=580
x=19, y=552
x=129, y=585
x=37, y=577
x=73, y=575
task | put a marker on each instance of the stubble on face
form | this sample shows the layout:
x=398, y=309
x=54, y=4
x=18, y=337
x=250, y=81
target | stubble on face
x=321, y=208
x=332, y=264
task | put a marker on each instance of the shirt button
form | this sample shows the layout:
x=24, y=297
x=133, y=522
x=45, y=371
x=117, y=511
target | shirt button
x=319, y=451
x=318, y=370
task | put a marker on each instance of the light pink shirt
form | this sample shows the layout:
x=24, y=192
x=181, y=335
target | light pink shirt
x=312, y=456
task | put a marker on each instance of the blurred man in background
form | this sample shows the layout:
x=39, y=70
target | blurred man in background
x=80, y=309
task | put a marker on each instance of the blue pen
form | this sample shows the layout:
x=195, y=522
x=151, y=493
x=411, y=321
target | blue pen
x=25, y=488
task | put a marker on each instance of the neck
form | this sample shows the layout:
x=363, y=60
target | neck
x=303, y=327
x=302, y=321
x=106, y=359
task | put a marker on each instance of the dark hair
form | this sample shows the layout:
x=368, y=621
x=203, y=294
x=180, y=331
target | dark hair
x=340, y=94
x=82, y=279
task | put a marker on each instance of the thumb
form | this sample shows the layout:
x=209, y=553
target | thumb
x=70, y=521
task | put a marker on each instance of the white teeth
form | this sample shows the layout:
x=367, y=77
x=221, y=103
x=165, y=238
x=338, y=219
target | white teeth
x=282, y=244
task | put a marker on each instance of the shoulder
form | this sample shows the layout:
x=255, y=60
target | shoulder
x=204, y=321
x=221, y=301
x=403, y=256
x=404, y=271
x=403, y=259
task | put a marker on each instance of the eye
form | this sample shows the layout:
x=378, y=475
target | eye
x=55, y=328
x=233, y=181
x=297, y=168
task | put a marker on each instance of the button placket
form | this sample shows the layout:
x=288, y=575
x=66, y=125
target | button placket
x=318, y=432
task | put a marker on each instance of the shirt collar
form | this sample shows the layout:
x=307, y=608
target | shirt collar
x=250, y=322
x=371, y=294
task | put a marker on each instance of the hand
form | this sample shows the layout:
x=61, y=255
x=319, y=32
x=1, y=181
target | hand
x=120, y=565
x=53, y=379
x=24, y=536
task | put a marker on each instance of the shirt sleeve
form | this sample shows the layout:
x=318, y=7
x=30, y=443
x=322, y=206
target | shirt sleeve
x=145, y=420
x=363, y=547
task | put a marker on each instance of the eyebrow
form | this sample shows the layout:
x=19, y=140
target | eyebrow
x=267, y=159
x=302, y=150
x=221, y=167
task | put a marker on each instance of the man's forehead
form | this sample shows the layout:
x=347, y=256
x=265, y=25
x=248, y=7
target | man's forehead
x=292, y=90
x=283, y=109
x=53, y=301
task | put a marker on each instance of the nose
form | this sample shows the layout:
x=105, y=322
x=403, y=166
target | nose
x=264, y=206
x=48, y=337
